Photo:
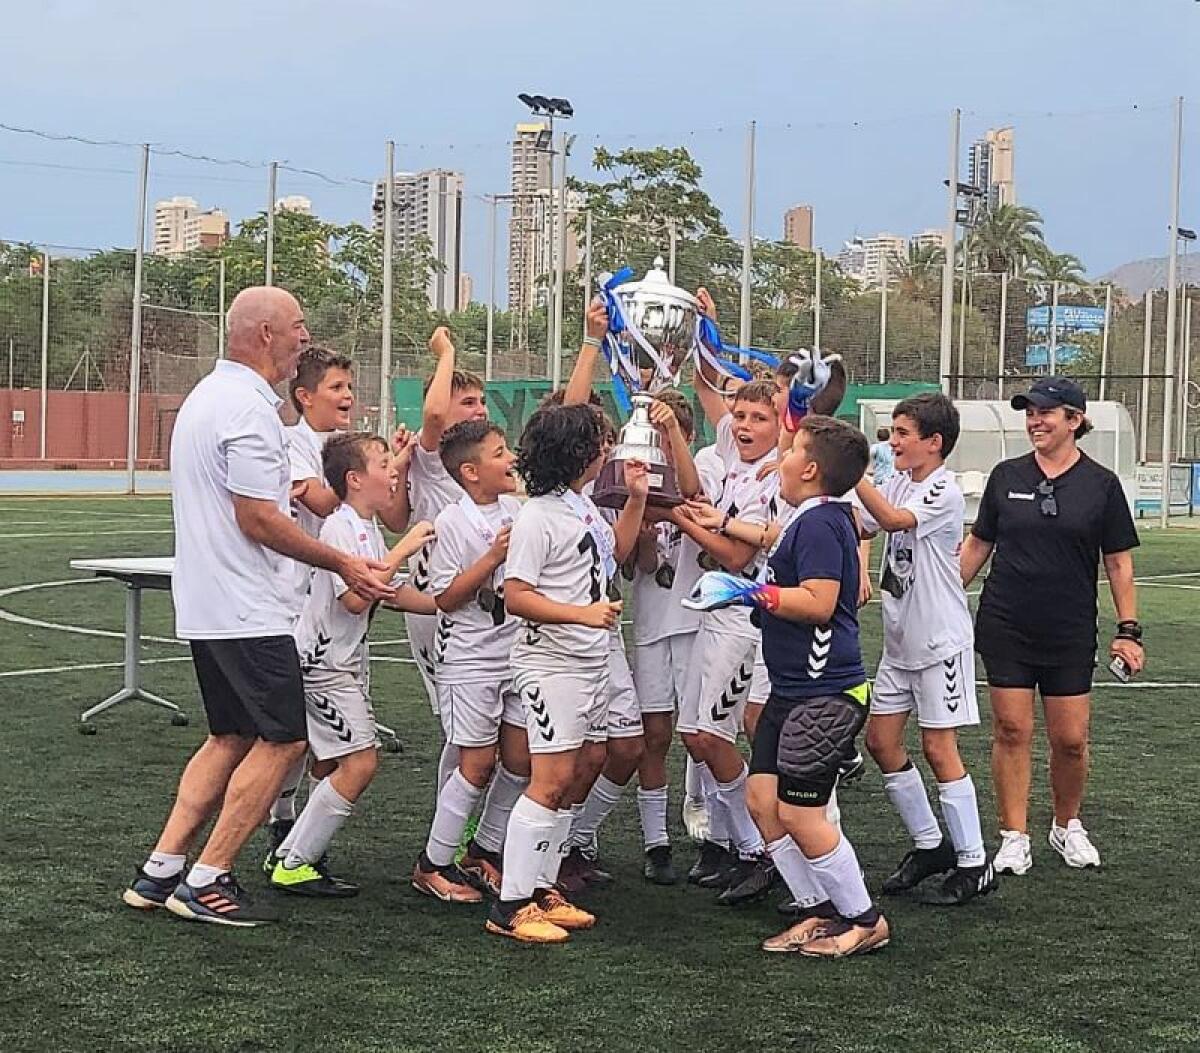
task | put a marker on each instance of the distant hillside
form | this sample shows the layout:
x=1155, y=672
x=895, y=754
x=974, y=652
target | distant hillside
x=1136, y=277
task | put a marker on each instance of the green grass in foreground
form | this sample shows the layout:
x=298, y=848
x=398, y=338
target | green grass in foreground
x=1057, y=961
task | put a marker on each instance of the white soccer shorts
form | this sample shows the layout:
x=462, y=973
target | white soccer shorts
x=472, y=713
x=715, y=698
x=661, y=670
x=563, y=709
x=760, y=682
x=341, y=720
x=943, y=694
x=421, y=630
x=624, y=713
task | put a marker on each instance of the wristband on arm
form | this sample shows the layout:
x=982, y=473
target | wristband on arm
x=1130, y=630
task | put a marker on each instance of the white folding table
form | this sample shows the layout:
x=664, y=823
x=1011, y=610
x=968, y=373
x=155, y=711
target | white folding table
x=138, y=573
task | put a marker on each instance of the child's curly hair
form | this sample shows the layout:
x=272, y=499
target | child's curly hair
x=556, y=447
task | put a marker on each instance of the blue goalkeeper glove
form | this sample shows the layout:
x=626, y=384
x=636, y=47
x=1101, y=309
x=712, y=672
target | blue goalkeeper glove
x=717, y=589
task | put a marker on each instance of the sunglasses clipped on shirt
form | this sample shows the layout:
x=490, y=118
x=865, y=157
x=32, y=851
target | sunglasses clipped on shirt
x=1047, y=504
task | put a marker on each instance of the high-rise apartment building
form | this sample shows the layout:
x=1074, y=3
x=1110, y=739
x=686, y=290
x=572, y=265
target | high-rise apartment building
x=798, y=226
x=990, y=167
x=428, y=205
x=527, y=224
x=180, y=226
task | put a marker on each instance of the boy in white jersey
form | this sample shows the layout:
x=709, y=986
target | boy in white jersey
x=472, y=646
x=711, y=712
x=451, y=396
x=928, y=658
x=331, y=640
x=561, y=558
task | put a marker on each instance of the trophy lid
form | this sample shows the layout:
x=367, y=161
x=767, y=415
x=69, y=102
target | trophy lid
x=656, y=282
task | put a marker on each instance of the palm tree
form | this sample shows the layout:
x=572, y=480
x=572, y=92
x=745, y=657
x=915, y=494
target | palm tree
x=1007, y=240
x=919, y=274
x=1063, y=267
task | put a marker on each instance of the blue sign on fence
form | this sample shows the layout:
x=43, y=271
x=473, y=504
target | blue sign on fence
x=1069, y=321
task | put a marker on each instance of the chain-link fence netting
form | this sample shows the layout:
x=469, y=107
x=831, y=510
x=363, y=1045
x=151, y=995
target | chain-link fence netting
x=1039, y=262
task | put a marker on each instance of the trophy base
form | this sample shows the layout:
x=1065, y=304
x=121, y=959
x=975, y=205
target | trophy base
x=610, y=491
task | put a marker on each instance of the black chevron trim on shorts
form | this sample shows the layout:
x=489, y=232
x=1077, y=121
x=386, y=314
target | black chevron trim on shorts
x=737, y=686
x=953, y=688
x=311, y=659
x=426, y=660
x=541, y=716
x=329, y=713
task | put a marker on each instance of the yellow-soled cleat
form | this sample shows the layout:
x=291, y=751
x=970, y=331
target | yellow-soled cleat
x=565, y=915
x=527, y=925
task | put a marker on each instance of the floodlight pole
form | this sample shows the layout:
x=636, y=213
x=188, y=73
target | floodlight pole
x=1164, y=511
x=272, y=177
x=389, y=243
x=135, y=335
x=947, y=320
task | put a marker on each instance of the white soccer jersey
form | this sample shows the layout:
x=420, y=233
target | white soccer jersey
x=471, y=643
x=746, y=497
x=658, y=610
x=711, y=470
x=329, y=638
x=304, y=462
x=566, y=559
x=430, y=489
x=925, y=613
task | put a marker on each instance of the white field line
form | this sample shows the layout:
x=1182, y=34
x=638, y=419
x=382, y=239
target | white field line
x=81, y=533
x=37, y=623
x=115, y=514
x=51, y=670
x=1167, y=585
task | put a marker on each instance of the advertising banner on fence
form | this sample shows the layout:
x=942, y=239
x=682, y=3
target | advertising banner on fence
x=1069, y=321
x=1185, y=489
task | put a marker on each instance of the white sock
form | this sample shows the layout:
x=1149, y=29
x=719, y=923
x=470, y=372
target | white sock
x=718, y=817
x=576, y=811
x=322, y=816
x=842, y=880
x=746, y=838
x=693, y=783
x=447, y=764
x=531, y=828
x=202, y=874
x=599, y=805
x=906, y=791
x=652, y=808
x=960, y=809
x=806, y=890
x=503, y=794
x=284, y=808
x=164, y=865
x=559, y=846
x=455, y=804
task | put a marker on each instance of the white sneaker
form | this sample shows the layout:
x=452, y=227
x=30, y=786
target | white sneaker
x=1074, y=845
x=1014, y=855
x=695, y=818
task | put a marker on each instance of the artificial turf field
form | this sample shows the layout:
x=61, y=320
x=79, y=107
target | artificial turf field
x=1058, y=960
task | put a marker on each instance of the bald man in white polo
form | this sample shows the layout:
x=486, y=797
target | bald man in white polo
x=234, y=603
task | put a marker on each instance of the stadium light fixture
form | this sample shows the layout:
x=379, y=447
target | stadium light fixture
x=1185, y=234
x=546, y=106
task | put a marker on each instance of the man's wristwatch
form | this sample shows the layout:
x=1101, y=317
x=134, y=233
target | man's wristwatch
x=1130, y=630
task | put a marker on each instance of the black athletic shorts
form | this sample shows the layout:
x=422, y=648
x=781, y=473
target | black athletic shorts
x=252, y=687
x=1072, y=676
x=803, y=742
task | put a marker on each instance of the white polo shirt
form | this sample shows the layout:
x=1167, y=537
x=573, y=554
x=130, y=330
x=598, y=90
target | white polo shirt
x=228, y=439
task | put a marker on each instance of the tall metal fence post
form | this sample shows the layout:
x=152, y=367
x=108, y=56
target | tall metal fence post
x=489, y=347
x=385, y=314
x=221, y=307
x=817, y=298
x=45, y=351
x=1144, y=394
x=1003, y=335
x=1164, y=511
x=135, y=333
x=947, y=328
x=1104, y=342
x=744, y=323
x=269, y=263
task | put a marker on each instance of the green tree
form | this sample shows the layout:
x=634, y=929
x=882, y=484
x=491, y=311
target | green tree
x=1007, y=240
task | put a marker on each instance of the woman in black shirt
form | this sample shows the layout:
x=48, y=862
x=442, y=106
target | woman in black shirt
x=1046, y=519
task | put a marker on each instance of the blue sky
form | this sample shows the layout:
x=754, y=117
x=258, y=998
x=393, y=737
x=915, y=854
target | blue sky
x=852, y=99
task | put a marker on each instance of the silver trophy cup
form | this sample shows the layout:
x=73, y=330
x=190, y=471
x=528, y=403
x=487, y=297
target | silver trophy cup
x=666, y=317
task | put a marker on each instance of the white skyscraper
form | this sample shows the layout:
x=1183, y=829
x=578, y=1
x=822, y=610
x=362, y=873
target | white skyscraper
x=530, y=186
x=180, y=226
x=990, y=167
x=868, y=260
x=428, y=204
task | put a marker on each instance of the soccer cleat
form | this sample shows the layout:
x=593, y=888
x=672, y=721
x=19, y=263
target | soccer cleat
x=1014, y=855
x=851, y=768
x=1074, y=845
x=658, y=869
x=556, y=910
x=843, y=938
x=149, y=893
x=590, y=868
x=277, y=831
x=814, y=922
x=695, y=819
x=712, y=866
x=919, y=864
x=310, y=880
x=960, y=886
x=445, y=883
x=481, y=868
x=223, y=902
x=571, y=879
x=752, y=881
x=527, y=925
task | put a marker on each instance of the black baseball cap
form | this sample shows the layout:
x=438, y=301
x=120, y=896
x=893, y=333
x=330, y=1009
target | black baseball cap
x=1048, y=392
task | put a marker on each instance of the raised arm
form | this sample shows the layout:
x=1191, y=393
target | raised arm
x=708, y=383
x=436, y=410
x=579, y=387
x=887, y=515
x=396, y=513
